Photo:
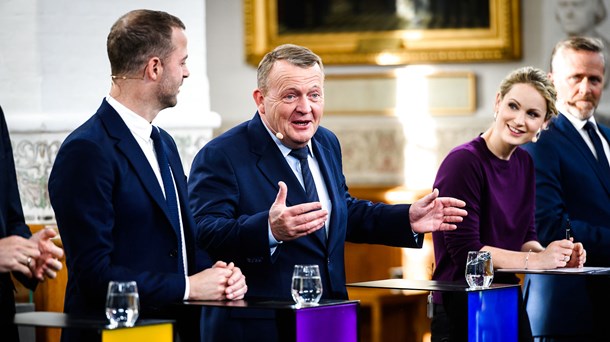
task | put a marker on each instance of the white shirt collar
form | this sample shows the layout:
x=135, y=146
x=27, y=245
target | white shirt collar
x=138, y=126
x=576, y=122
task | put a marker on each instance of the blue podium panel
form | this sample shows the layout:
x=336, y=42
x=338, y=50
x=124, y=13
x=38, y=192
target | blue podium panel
x=492, y=315
x=482, y=315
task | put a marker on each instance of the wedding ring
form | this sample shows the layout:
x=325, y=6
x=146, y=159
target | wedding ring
x=29, y=261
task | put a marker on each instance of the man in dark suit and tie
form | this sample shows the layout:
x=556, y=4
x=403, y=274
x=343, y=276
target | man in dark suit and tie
x=29, y=257
x=270, y=193
x=573, y=189
x=119, y=190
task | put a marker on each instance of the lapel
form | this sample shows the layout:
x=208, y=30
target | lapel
x=127, y=145
x=566, y=128
x=273, y=166
x=179, y=177
x=326, y=160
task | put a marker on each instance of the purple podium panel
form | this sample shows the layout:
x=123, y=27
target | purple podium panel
x=337, y=323
x=329, y=321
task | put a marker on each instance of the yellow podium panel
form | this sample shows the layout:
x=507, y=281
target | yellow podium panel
x=157, y=332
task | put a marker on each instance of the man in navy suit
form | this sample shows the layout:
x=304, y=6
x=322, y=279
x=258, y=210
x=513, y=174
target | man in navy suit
x=29, y=257
x=249, y=197
x=573, y=189
x=112, y=202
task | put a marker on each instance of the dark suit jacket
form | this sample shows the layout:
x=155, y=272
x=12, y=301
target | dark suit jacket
x=233, y=183
x=113, y=218
x=11, y=223
x=568, y=185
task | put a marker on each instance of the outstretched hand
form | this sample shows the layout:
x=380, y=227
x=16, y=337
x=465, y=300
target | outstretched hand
x=432, y=213
x=289, y=223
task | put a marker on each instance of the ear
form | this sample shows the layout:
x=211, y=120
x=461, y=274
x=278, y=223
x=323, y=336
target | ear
x=497, y=104
x=259, y=99
x=154, y=68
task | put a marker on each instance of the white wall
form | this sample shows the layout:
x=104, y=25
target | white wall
x=53, y=61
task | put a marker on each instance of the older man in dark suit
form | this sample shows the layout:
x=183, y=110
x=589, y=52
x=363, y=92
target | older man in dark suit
x=270, y=193
x=573, y=190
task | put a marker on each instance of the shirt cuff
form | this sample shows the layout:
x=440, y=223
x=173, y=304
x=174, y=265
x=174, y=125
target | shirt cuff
x=273, y=243
x=187, y=288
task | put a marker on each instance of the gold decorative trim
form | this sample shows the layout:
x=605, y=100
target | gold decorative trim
x=501, y=40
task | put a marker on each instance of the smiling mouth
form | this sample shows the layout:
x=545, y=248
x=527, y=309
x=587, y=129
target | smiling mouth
x=514, y=130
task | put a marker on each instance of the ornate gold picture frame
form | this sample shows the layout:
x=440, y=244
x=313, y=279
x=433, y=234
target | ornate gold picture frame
x=384, y=38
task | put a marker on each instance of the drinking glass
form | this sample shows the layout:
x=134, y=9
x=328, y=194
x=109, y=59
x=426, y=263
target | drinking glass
x=122, y=303
x=479, y=270
x=306, y=285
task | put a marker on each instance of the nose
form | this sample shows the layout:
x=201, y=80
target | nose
x=584, y=87
x=185, y=72
x=304, y=105
x=520, y=118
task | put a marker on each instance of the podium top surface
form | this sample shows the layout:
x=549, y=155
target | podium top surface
x=426, y=285
x=62, y=320
x=580, y=271
x=262, y=303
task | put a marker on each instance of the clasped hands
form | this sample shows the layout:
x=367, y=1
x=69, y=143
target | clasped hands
x=563, y=253
x=34, y=257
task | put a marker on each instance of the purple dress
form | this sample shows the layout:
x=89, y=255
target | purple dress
x=499, y=196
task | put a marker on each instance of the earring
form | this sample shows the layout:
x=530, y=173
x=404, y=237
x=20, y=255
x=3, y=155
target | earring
x=495, y=115
x=537, y=136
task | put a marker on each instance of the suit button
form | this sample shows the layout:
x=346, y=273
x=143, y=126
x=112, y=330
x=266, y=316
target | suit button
x=328, y=261
x=173, y=253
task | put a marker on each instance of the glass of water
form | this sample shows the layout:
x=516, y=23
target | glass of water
x=479, y=270
x=306, y=285
x=122, y=303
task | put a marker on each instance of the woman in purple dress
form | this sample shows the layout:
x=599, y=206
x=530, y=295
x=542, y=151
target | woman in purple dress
x=496, y=180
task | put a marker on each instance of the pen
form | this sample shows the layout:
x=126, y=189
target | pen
x=568, y=230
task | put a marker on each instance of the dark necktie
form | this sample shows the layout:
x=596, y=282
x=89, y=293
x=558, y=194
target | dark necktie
x=168, y=185
x=602, y=161
x=308, y=182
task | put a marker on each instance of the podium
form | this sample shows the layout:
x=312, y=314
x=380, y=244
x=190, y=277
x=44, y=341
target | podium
x=329, y=321
x=488, y=314
x=143, y=330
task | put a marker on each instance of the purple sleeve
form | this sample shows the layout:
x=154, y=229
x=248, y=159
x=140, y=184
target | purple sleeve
x=460, y=176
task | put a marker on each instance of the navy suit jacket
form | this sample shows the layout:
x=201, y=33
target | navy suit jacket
x=568, y=185
x=113, y=218
x=232, y=185
x=11, y=223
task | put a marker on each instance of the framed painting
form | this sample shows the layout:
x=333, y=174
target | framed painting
x=387, y=32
